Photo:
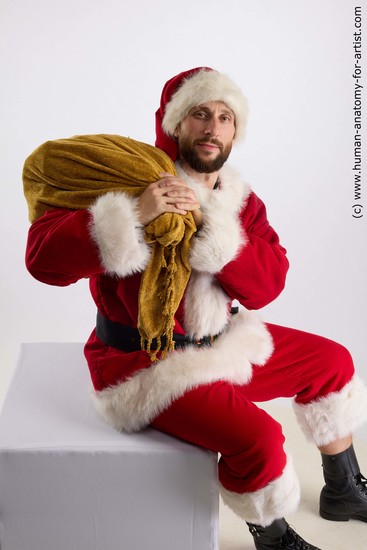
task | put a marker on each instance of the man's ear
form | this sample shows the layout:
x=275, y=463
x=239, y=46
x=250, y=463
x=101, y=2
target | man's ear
x=176, y=133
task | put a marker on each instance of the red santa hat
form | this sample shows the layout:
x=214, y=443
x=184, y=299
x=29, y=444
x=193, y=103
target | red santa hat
x=191, y=88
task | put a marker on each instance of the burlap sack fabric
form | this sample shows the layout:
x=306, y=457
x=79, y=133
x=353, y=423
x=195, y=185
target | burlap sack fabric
x=72, y=173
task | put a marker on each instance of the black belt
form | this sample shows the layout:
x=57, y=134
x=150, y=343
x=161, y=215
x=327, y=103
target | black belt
x=127, y=338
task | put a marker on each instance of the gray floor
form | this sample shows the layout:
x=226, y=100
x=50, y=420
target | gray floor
x=326, y=535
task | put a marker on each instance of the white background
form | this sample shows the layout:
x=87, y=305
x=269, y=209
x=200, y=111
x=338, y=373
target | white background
x=78, y=66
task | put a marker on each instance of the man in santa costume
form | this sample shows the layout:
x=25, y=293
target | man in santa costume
x=204, y=391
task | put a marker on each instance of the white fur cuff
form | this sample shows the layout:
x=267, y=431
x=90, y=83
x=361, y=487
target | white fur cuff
x=278, y=499
x=118, y=234
x=335, y=416
x=218, y=241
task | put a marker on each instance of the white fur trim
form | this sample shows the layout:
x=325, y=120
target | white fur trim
x=206, y=306
x=119, y=235
x=219, y=239
x=132, y=405
x=278, y=499
x=336, y=415
x=202, y=87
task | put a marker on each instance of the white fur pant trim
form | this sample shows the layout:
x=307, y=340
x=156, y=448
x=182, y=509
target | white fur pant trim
x=336, y=415
x=276, y=500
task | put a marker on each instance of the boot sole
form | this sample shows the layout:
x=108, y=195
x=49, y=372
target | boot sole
x=333, y=517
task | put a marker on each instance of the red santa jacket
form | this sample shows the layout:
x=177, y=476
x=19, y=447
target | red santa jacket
x=235, y=255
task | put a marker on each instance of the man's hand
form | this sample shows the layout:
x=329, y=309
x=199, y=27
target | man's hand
x=169, y=194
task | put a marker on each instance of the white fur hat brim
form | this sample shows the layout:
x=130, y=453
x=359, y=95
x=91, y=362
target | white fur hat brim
x=202, y=87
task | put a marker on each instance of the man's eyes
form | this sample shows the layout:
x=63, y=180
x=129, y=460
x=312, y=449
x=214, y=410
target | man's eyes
x=200, y=114
x=204, y=114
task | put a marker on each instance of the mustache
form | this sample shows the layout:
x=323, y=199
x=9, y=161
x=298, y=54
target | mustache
x=209, y=140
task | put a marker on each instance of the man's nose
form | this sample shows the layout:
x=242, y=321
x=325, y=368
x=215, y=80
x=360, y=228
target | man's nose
x=212, y=128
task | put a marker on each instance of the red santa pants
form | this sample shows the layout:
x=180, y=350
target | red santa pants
x=222, y=417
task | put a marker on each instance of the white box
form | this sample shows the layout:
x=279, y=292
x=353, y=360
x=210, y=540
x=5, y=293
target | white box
x=70, y=482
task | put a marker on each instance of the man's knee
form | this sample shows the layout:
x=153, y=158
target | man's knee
x=336, y=364
x=258, y=456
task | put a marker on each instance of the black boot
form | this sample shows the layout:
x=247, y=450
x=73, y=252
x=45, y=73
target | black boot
x=278, y=536
x=344, y=496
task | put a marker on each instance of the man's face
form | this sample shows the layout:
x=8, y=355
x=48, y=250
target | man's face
x=205, y=136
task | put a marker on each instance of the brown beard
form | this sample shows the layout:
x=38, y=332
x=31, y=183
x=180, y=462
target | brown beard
x=188, y=153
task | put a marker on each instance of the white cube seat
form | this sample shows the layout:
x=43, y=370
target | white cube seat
x=70, y=482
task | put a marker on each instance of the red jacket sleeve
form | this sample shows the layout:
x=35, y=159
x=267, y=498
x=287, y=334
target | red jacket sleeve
x=257, y=275
x=60, y=250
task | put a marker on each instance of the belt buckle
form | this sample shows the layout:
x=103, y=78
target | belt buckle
x=206, y=340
